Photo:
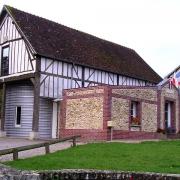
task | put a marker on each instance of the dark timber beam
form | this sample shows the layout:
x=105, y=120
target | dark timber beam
x=36, y=103
x=2, y=132
x=12, y=40
x=117, y=80
x=35, y=124
x=83, y=76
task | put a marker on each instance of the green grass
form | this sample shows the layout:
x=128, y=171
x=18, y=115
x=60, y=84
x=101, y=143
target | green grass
x=163, y=156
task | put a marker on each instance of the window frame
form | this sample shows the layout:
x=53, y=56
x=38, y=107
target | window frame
x=137, y=112
x=16, y=116
x=2, y=59
x=169, y=118
x=5, y=47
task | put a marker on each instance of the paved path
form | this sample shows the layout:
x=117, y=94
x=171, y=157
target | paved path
x=6, y=143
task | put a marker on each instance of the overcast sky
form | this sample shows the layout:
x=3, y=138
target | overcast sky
x=151, y=27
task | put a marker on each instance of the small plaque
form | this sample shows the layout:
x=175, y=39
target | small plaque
x=110, y=123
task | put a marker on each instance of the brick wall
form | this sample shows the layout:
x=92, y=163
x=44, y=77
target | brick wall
x=120, y=113
x=149, y=117
x=170, y=95
x=122, y=97
x=137, y=92
x=86, y=111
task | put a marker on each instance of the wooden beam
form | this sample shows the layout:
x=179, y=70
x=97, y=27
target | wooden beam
x=117, y=80
x=3, y=107
x=49, y=66
x=16, y=150
x=35, y=124
x=15, y=154
x=33, y=81
x=65, y=77
x=12, y=40
x=83, y=76
x=36, y=106
x=17, y=78
x=47, y=150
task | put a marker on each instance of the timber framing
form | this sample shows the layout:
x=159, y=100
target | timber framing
x=19, y=30
x=90, y=51
x=83, y=77
x=21, y=55
x=57, y=75
x=35, y=123
x=12, y=40
x=75, y=73
x=17, y=78
x=3, y=106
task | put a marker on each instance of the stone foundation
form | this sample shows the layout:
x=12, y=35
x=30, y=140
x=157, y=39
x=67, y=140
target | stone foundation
x=9, y=173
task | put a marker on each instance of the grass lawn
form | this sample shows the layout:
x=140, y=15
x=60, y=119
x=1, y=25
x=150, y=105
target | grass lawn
x=163, y=156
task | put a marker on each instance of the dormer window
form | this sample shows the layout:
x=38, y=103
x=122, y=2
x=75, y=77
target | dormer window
x=5, y=61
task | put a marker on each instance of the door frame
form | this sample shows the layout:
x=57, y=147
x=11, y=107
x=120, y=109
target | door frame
x=172, y=105
x=56, y=118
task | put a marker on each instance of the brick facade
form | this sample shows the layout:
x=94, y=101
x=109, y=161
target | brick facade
x=173, y=96
x=149, y=117
x=87, y=111
x=84, y=113
x=120, y=113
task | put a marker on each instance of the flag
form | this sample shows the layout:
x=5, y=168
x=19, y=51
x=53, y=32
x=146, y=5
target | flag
x=178, y=78
x=175, y=79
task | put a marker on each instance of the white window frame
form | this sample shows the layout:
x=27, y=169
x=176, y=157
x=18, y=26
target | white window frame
x=169, y=112
x=134, y=109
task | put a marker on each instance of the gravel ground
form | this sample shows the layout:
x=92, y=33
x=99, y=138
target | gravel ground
x=14, y=142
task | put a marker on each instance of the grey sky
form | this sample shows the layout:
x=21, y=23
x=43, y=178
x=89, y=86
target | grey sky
x=151, y=27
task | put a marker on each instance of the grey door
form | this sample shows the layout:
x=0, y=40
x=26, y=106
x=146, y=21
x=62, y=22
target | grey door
x=45, y=118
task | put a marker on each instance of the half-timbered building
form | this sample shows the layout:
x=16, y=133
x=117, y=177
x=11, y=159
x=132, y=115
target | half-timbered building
x=41, y=58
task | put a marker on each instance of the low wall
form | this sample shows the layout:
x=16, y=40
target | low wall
x=95, y=174
x=8, y=173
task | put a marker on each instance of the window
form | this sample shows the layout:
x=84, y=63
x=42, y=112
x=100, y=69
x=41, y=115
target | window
x=135, y=120
x=18, y=116
x=168, y=114
x=5, y=61
x=5, y=52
